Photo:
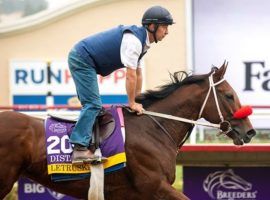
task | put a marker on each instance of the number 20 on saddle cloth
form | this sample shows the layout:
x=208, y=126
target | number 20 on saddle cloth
x=59, y=149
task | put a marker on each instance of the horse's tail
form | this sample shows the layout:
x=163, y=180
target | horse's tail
x=96, y=190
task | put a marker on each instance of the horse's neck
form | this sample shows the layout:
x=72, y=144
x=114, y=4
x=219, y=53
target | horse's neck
x=184, y=109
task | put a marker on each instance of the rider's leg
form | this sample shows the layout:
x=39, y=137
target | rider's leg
x=85, y=78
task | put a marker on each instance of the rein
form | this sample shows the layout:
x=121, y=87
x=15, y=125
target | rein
x=180, y=119
x=169, y=135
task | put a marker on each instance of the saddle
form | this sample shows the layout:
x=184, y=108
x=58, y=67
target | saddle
x=103, y=127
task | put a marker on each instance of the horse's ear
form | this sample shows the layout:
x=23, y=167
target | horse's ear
x=221, y=71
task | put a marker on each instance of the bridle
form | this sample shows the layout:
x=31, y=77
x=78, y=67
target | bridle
x=224, y=126
x=212, y=87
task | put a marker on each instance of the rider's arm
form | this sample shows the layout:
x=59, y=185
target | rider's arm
x=139, y=81
x=130, y=51
x=131, y=88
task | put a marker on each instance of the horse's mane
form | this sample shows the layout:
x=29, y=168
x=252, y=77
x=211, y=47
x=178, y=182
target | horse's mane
x=178, y=79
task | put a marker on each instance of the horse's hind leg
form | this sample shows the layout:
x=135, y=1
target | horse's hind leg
x=15, y=148
x=6, y=183
x=10, y=168
x=4, y=189
x=8, y=176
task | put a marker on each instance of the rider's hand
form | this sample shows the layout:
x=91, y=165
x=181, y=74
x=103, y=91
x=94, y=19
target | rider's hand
x=136, y=107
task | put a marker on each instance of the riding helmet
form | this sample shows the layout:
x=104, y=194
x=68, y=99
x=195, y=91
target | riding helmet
x=157, y=15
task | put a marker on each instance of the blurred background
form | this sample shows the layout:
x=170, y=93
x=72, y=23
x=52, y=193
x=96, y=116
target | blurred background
x=37, y=35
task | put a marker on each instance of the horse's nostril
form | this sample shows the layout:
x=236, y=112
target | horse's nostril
x=251, y=133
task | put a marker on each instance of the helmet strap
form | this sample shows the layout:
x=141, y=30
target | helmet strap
x=153, y=32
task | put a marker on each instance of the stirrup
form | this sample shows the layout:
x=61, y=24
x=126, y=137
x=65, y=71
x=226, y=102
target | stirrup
x=77, y=162
x=95, y=161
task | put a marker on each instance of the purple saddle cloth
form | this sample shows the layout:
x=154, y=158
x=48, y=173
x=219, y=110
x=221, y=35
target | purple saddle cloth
x=59, y=149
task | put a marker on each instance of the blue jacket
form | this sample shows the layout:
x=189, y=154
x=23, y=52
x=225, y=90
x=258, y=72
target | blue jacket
x=102, y=50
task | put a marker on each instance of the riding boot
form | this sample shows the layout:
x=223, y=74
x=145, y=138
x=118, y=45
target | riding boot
x=82, y=155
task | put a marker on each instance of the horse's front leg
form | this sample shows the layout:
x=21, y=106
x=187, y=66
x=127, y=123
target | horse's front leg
x=167, y=192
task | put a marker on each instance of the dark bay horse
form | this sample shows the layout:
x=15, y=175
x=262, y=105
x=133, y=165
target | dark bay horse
x=151, y=154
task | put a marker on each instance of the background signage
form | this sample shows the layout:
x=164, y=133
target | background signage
x=31, y=80
x=234, y=183
x=32, y=191
x=237, y=31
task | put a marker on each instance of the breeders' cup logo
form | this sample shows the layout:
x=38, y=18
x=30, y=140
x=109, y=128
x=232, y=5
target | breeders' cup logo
x=227, y=185
x=57, y=128
x=55, y=195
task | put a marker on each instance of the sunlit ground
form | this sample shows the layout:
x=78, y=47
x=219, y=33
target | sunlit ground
x=178, y=183
x=13, y=194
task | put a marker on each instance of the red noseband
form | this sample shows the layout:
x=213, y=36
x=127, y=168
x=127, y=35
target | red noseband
x=243, y=112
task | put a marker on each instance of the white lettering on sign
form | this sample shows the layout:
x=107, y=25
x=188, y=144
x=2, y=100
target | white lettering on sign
x=33, y=188
x=55, y=195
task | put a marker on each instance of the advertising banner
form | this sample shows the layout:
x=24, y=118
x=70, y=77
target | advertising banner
x=236, y=31
x=233, y=183
x=32, y=191
x=32, y=80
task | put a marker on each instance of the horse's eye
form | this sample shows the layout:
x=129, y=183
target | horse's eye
x=229, y=96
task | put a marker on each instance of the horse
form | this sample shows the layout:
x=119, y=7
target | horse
x=152, y=143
